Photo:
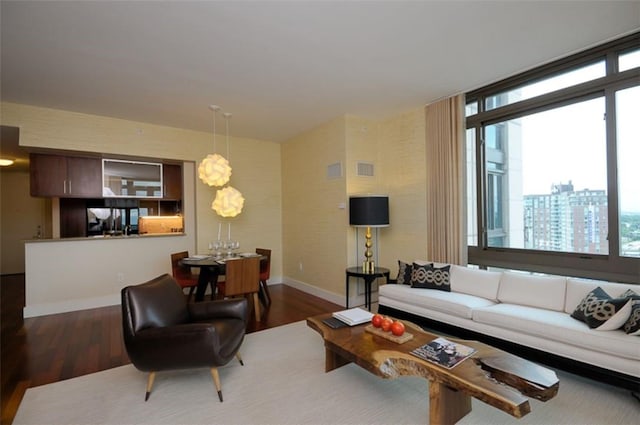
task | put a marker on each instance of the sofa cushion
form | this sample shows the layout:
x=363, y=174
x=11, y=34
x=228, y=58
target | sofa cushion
x=598, y=310
x=404, y=273
x=461, y=305
x=430, y=277
x=578, y=288
x=546, y=292
x=481, y=283
x=632, y=325
x=557, y=326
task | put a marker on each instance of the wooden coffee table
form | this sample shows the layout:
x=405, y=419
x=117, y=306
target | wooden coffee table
x=496, y=377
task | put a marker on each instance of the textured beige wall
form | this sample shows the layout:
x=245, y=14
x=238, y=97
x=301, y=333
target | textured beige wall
x=20, y=216
x=256, y=165
x=403, y=177
x=314, y=227
x=316, y=233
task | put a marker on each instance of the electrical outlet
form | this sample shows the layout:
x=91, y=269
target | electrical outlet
x=300, y=266
x=120, y=277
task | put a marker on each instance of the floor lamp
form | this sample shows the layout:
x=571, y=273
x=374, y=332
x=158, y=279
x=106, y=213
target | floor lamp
x=369, y=211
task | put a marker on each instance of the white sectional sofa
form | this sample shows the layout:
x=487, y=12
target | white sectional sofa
x=526, y=314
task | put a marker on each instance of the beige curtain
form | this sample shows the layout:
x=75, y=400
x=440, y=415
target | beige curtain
x=445, y=181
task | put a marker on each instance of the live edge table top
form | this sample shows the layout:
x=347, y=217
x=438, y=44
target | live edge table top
x=496, y=377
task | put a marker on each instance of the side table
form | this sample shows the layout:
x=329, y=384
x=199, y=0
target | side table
x=368, y=280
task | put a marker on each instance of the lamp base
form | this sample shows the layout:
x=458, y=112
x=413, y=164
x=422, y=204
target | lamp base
x=368, y=267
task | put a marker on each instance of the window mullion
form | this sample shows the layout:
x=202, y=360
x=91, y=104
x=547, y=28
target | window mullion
x=613, y=237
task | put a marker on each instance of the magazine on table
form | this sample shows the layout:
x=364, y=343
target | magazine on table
x=353, y=316
x=443, y=352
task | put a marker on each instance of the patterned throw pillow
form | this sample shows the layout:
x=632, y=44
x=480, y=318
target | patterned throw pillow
x=601, y=312
x=632, y=325
x=430, y=277
x=404, y=273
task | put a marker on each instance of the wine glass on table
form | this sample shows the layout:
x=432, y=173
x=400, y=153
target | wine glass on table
x=217, y=246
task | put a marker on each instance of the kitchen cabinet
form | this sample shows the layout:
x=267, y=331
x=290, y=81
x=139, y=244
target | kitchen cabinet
x=172, y=181
x=65, y=176
x=73, y=218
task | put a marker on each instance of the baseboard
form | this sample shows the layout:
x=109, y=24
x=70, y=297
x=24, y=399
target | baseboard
x=315, y=291
x=66, y=306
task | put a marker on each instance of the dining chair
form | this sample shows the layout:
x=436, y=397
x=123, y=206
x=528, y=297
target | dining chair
x=242, y=278
x=265, y=271
x=182, y=274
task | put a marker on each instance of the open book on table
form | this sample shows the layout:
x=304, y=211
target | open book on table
x=353, y=316
x=443, y=352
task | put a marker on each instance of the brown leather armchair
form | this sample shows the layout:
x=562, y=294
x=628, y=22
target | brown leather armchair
x=163, y=332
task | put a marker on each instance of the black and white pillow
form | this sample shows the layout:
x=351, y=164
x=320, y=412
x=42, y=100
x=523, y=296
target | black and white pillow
x=404, y=273
x=601, y=312
x=632, y=325
x=430, y=277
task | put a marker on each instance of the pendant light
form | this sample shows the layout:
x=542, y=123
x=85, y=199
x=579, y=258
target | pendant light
x=229, y=201
x=214, y=169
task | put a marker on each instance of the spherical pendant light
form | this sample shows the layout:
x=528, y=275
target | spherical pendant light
x=214, y=170
x=228, y=202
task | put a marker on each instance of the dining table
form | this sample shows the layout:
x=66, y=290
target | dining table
x=211, y=267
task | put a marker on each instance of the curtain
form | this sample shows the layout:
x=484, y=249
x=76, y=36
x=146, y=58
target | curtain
x=446, y=228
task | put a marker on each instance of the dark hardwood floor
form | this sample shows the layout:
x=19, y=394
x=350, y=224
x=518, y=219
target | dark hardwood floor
x=53, y=348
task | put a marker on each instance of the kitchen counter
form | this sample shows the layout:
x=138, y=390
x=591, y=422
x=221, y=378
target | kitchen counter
x=78, y=273
x=106, y=237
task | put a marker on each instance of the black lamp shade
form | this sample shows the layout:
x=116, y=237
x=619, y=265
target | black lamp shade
x=370, y=211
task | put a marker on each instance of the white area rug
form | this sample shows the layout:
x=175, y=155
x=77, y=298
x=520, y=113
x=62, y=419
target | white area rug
x=283, y=382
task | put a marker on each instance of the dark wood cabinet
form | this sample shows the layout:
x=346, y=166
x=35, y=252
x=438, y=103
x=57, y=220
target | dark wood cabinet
x=73, y=218
x=65, y=177
x=172, y=181
x=85, y=177
x=48, y=175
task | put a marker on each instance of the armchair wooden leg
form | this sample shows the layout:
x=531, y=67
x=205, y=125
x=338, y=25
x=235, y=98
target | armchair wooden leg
x=152, y=376
x=240, y=359
x=216, y=380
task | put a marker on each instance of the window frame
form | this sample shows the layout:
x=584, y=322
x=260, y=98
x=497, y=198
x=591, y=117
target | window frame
x=609, y=266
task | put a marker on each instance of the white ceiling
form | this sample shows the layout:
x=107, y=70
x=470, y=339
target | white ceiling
x=281, y=67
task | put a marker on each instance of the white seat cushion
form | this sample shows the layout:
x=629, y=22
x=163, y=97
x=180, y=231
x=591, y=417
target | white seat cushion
x=558, y=326
x=461, y=305
x=546, y=292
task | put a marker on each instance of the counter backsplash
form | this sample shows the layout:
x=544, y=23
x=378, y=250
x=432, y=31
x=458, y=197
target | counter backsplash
x=160, y=224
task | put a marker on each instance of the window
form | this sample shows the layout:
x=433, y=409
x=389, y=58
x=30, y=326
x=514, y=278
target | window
x=547, y=85
x=627, y=104
x=552, y=166
x=629, y=60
